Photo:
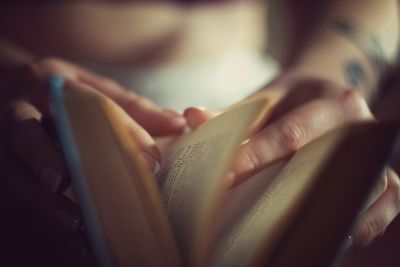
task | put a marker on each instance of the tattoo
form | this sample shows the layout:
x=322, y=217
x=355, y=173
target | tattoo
x=365, y=41
x=354, y=74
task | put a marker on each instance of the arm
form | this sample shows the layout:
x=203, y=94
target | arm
x=337, y=53
x=327, y=76
x=347, y=42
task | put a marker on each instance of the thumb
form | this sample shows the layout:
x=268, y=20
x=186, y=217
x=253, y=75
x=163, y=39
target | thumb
x=196, y=116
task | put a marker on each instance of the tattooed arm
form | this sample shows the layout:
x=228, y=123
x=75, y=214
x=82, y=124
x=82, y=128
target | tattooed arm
x=347, y=42
x=339, y=50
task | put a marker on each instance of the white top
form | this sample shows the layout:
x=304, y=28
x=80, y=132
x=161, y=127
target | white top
x=212, y=83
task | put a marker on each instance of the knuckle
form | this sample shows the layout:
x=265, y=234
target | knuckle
x=252, y=158
x=371, y=228
x=354, y=104
x=382, y=184
x=292, y=134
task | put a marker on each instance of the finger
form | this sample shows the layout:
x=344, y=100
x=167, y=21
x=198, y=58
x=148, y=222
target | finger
x=291, y=131
x=378, y=216
x=31, y=80
x=305, y=92
x=154, y=119
x=379, y=189
x=29, y=142
x=18, y=181
x=54, y=215
x=145, y=143
x=196, y=116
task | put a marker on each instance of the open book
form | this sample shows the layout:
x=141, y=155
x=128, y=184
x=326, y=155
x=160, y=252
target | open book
x=297, y=212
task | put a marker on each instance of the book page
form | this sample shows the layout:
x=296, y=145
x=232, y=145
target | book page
x=274, y=208
x=119, y=199
x=239, y=200
x=193, y=177
x=294, y=221
x=345, y=184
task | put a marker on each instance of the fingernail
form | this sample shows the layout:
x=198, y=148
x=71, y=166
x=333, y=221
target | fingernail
x=51, y=179
x=153, y=164
x=69, y=222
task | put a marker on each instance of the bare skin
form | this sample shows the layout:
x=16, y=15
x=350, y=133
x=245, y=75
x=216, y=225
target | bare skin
x=340, y=90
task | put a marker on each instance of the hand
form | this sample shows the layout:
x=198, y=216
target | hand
x=46, y=228
x=31, y=164
x=26, y=110
x=308, y=109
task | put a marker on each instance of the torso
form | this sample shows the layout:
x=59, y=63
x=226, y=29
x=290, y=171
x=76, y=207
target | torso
x=129, y=33
x=177, y=55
